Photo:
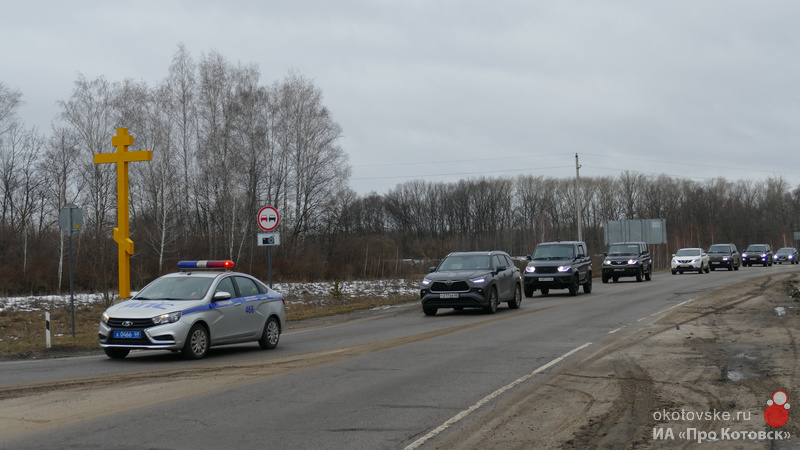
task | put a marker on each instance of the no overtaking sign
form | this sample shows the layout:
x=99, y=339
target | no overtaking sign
x=268, y=218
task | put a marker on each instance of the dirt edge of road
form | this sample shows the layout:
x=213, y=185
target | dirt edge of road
x=723, y=352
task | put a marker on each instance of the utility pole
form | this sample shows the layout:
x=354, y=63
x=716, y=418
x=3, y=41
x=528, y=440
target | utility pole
x=578, y=196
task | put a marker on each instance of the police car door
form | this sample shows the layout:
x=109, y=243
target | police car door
x=251, y=316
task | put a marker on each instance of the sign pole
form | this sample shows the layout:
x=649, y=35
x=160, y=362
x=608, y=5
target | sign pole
x=71, y=283
x=269, y=263
x=268, y=219
x=70, y=220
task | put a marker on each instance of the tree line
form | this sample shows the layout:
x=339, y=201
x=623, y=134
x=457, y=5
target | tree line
x=224, y=144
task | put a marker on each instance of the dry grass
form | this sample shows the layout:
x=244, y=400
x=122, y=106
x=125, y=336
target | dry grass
x=23, y=333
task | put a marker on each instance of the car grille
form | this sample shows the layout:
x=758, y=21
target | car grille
x=135, y=323
x=547, y=269
x=619, y=263
x=454, y=286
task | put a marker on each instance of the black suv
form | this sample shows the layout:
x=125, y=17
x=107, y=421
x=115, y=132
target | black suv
x=757, y=254
x=559, y=265
x=627, y=259
x=723, y=255
x=472, y=280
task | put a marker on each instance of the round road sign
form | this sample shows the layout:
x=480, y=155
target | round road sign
x=268, y=218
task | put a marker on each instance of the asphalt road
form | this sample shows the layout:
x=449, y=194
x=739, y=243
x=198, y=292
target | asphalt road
x=387, y=379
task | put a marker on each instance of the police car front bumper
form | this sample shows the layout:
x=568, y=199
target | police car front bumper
x=170, y=336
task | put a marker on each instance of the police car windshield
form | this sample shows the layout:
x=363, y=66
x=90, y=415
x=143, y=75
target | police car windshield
x=175, y=288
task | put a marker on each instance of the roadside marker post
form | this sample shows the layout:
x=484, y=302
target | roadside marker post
x=47, y=328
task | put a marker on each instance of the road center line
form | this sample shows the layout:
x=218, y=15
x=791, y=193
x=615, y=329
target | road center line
x=491, y=396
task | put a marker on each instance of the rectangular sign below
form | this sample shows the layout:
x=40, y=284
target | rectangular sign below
x=268, y=239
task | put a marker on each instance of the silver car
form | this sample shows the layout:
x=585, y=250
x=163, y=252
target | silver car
x=194, y=309
x=690, y=259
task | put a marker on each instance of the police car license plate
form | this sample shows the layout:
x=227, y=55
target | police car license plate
x=123, y=334
x=545, y=278
x=448, y=295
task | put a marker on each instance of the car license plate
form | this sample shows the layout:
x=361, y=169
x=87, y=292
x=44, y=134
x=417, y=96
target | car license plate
x=455, y=295
x=545, y=278
x=124, y=334
x=619, y=270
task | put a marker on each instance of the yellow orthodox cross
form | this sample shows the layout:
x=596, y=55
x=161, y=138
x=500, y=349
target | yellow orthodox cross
x=122, y=233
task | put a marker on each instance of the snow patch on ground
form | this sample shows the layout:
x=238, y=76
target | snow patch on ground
x=293, y=293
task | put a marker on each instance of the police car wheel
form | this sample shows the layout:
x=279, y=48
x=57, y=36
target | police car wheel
x=116, y=353
x=271, y=335
x=197, y=342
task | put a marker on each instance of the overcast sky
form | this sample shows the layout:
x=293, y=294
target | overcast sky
x=445, y=90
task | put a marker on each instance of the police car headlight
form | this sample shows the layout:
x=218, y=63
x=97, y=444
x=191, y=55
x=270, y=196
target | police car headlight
x=167, y=318
x=105, y=318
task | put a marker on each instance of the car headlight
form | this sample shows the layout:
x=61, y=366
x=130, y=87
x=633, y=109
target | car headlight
x=744, y=255
x=426, y=282
x=725, y=258
x=105, y=318
x=478, y=280
x=530, y=269
x=167, y=318
x=633, y=261
x=564, y=268
x=606, y=262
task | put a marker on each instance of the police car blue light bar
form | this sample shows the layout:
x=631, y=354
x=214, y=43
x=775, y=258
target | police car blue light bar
x=206, y=264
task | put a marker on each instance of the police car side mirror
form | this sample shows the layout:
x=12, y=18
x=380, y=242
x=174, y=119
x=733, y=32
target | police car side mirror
x=222, y=295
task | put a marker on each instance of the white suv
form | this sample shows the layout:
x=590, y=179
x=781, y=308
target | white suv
x=690, y=259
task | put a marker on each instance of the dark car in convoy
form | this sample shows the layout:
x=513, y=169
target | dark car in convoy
x=627, y=259
x=786, y=255
x=558, y=265
x=472, y=280
x=723, y=256
x=757, y=254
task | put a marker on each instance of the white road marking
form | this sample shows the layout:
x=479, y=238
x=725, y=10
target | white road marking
x=489, y=397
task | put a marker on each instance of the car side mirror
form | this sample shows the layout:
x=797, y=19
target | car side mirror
x=501, y=268
x=529, y=257
x=432, y=269
x=222, y=295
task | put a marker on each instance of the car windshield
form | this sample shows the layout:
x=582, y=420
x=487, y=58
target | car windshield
x=623, y=250
x=551, y=252
x=756, y=248
x=719, y=249
x=688, y=252
x=465, y=262
x=176, y=288
x=785, y=251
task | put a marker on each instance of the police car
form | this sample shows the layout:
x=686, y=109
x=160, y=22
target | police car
x=203, y=305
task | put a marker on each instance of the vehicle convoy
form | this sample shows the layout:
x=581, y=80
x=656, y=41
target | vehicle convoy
x=786, y=255
x=690, y=259
x=723, y=256
x=558, y=265
x=203, y=305
x=757, y=254
x=472, y=280
x=627, y=259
